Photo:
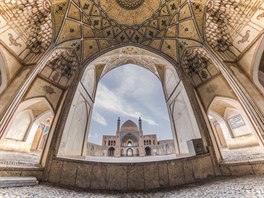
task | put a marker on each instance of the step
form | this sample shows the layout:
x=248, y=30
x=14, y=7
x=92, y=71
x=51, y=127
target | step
x=17, y=181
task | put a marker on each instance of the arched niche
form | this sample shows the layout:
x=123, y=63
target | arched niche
x=25, y=124
x=86, y=90
x=232, y=129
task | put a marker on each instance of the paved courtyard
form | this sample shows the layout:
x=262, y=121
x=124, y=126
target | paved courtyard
x=15, y=159
x=243, y=154
x=248, y=186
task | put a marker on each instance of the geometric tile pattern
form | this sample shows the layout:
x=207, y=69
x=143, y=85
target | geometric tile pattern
x=86, y=26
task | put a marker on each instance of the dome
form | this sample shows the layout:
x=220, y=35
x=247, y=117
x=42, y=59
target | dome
x=129, y=125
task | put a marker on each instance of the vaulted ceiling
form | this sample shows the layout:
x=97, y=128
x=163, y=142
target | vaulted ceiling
x=28, y=28
x=90, y=26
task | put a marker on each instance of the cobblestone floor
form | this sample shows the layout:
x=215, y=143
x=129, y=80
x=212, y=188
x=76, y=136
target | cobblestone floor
x=248, y=187
x=243, y=154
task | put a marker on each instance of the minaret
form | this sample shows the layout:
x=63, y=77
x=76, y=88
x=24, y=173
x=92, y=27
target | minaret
x=140, y=124
x=118, y=143
x=118, y=124
x=141, y=139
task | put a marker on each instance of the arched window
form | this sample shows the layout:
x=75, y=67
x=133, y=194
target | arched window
x=129, y=144
x=129, y=152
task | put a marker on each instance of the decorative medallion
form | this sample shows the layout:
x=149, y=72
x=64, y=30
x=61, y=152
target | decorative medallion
x=130, y=4
x=48, y=89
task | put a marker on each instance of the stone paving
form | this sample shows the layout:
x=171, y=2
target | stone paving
x=15, y=159
x=243, y=154
x=247, y=186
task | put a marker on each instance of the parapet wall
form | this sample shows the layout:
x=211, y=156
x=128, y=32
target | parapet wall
x=134, y=176
x=130, y=176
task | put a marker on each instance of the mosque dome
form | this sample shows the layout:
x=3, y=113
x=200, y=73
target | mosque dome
x=129, y=125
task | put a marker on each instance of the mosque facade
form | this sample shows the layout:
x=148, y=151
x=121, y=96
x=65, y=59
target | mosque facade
x=130, y=141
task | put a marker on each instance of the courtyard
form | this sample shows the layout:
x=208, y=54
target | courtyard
x=235, y=187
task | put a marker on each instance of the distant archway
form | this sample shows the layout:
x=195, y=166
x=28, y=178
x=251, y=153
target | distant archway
x=129, y=152
x=147, y=151
x=129, y=144
x=111, y=152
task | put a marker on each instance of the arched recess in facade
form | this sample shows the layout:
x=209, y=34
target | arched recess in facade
x=181, y=110
x=231, y=126
x=50, y=79
x=23, y=133
x=209, y=81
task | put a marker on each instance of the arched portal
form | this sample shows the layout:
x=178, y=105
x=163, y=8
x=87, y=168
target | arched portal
x=129, y=152
x=147, y=151
x=111, y=152
x=25, y=137
x=173, y=88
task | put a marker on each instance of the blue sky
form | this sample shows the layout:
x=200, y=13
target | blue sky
x=129, y=91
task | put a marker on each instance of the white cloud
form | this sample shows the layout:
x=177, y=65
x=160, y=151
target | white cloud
x=108, y=100
x=143, y=87
x=93, y=136
x=99, y=118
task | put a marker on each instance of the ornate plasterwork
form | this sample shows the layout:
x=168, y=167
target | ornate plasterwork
x=233, y=25
x=25, y=26
x=131, y=55
x=61, y=67
x=198, y=66
x=160, y=67
x=130, y=4
x=88, y=27
x=134, y=16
